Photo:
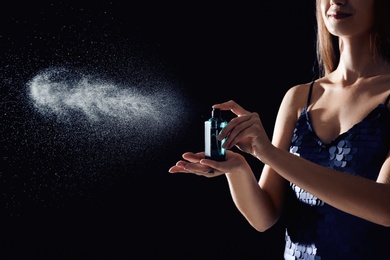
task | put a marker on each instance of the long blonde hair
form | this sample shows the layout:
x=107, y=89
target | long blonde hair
x=327, y=45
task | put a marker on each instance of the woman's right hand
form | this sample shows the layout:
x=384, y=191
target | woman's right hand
x=245, y=131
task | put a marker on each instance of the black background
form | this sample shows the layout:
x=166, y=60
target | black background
x=133, y=208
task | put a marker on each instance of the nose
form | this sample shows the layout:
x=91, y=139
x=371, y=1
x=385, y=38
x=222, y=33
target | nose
x=338, y=2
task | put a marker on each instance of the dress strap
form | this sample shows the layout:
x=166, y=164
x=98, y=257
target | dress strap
x=309, y=95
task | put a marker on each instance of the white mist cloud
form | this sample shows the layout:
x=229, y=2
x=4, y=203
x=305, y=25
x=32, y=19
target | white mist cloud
x=63, y=92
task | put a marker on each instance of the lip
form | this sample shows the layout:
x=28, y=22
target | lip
x=339, y=15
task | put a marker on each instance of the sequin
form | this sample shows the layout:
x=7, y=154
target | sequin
x=314, y=228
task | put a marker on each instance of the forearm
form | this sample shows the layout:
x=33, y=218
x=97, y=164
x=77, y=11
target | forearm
x=253, y=203
x=353, y=194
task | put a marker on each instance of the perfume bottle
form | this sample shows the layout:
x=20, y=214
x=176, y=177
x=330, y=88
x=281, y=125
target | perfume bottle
x=212, y=128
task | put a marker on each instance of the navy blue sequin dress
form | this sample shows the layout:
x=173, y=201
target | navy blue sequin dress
x=316, y=230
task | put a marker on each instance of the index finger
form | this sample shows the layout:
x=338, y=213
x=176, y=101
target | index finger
x=232, y=106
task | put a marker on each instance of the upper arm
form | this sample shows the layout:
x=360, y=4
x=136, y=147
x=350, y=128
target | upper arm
x=290, y=108
x=384, y=174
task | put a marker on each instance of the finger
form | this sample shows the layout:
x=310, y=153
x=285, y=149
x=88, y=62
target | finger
x=193, y=157
x=181, y=164
x=175, y=169
x=240, y=132
x=232, y=124
x=185, y=166
x=219, y=167
x=196, y=167
x=178, y=167
x=234, y=128
x=232, y=106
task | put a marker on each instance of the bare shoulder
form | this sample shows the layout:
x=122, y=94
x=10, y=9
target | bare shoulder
x=290, y=109
x=296, y=97
x=298, y=91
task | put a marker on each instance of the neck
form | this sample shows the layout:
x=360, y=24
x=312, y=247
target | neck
x=357, y=61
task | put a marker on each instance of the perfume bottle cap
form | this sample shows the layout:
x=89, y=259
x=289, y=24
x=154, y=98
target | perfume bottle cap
x=216, y=113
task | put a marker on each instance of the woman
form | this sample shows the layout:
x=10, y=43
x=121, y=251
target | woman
x=327, y=168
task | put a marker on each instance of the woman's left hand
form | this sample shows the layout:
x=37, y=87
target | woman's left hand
x=196, y=163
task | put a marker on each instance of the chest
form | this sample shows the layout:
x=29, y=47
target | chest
x=361, y=150
x=331, y=117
